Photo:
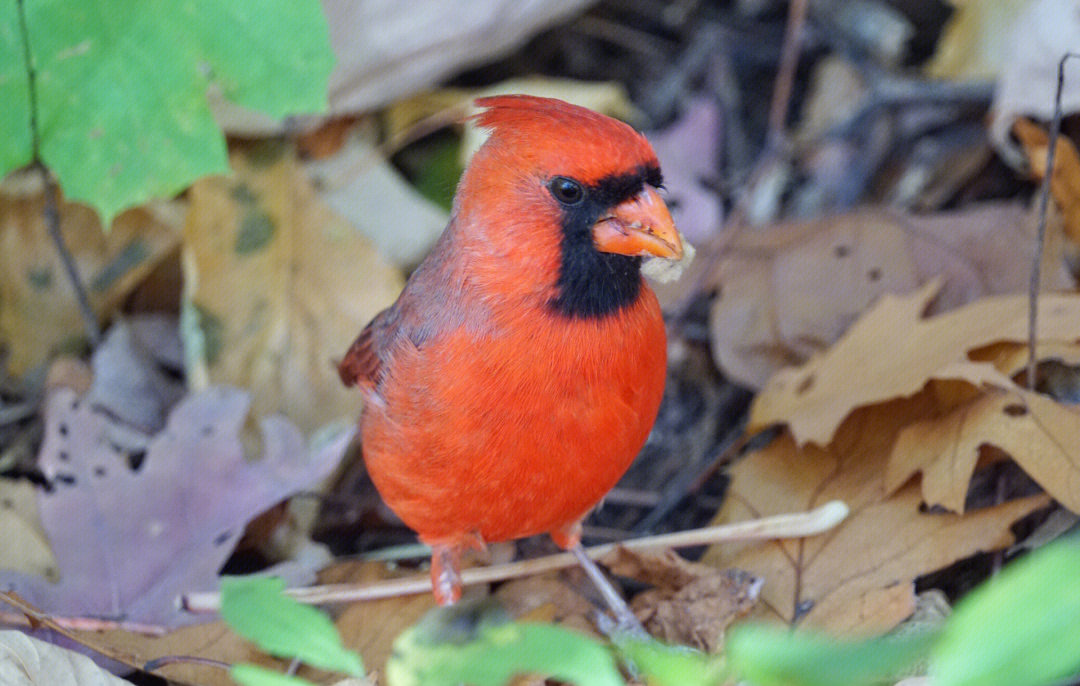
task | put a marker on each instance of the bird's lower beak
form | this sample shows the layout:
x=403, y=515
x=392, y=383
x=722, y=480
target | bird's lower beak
x=639, y=227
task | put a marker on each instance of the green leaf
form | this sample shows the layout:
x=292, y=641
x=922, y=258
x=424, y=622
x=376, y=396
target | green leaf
x=767, y=656
x=666, y=665
x=1021, y=628
x=477, y=645
x=256, y=608
x=253, y=675
x=15, y=140
x=122, y=86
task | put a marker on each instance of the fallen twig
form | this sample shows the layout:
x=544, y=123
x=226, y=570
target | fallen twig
x=1040, y=236
x=779, y=526
x=39, y=618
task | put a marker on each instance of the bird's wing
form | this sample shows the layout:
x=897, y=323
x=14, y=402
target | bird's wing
x=430, y=306
x=362, y=364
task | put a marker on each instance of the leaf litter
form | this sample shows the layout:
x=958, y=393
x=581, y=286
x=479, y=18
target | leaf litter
x=862, y=449
x=183, y=509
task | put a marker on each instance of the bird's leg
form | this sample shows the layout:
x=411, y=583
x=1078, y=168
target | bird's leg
x=446, y=566
x=569, y=538
x=446, y=573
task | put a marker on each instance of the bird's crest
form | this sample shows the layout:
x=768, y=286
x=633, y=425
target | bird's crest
x=549, y=133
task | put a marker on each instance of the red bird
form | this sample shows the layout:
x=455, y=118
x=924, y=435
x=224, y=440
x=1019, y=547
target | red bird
x=520, y=371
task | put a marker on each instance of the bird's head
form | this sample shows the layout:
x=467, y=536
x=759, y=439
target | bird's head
x=562, y=189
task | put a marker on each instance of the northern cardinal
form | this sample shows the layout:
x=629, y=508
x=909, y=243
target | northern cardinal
x=520, y=371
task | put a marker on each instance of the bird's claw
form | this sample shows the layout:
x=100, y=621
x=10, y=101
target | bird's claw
x=620, y=627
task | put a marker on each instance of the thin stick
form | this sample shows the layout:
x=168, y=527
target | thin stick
x=39, y=617
x=767, y=528
x=159, y=662
x=1040, y=236
x=86, y=624
x=785, y=74
x=51, y=211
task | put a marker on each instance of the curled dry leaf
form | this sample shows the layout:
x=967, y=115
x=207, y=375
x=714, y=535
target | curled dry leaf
x=692, y=604
x=1065, y=179
x=860, y=576
x=790, y=290
x=277, y=286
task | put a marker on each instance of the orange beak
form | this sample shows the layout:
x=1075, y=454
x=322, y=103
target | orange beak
x=639, y=227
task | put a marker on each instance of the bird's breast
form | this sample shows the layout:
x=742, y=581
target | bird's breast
x=517, y=429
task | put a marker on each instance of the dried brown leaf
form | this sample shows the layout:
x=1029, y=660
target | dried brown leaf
x=38, y=309
x=895, y=352
x=1041, y=435
x=663, y=568
x=213, y=640
x=280, y=286
x=370, y=627
x=550, y=598
x=790, y=290
x=860, y=576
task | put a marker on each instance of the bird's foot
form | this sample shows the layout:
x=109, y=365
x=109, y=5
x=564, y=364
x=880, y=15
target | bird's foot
x=616, y=628
x=625, y=623
x=446, y=573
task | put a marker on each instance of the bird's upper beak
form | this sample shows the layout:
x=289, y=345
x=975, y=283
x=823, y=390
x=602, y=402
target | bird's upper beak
x=640, y=227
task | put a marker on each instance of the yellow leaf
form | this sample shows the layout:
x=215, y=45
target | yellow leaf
x=279, y=286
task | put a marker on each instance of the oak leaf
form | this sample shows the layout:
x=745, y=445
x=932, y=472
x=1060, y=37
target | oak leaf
x=860, y=576
x=790, y=290
x=895, y=352
x=1041, y=435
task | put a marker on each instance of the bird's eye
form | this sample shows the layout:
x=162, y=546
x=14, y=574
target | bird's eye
x=567, y=191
